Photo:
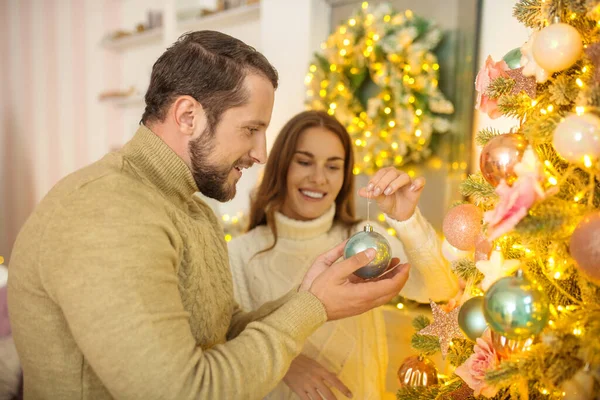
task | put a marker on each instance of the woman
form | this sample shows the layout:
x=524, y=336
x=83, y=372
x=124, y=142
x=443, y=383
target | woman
x=305, y=205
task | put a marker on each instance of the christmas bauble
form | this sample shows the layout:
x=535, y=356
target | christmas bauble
x=515, y=307
x=557, y=47
x=471, y=319
x=577, y=137
x=579, y=387
x=513, y=58
x=462, y=226
x=483, y=248
x=499, y=157
x=505, y=346
x=451, y=253
x=364, y=240
x=584, y=246
x=417, y=371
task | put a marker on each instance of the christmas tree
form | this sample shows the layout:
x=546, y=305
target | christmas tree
x=527, y=244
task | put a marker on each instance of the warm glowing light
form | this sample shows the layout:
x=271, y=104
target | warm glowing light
x=333, y=106
x=550, y=108
x=352, y=22
x=418, y=133
x=387, y=18
x=225, y=217
x=409, y=14
x=228, y=238
x=387, y=110
x=419, y=112
x=365, y=5
x=579, y=82
x=552, y=180
x=375, y=37
x=392, y=124
x=399, y=306
x=580, y=110
x=411, y=99
x=333, y=67
x=436, y=66
x=533, y=103
x=342, y=52
x=313, y=68
x=587, y=161
x=391, y=231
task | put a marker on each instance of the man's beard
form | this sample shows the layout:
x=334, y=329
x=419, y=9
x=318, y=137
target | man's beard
x=211, y=179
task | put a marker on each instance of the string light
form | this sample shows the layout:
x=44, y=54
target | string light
x=579, y=82
x=399, y=306
x=365, y=5
x=580, y=110
x=587, y=161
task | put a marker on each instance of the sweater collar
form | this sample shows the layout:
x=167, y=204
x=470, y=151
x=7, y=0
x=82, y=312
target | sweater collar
x=289, y=228
x=159, y=164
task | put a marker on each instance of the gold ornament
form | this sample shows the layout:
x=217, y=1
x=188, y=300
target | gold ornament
x=444, y=326
x=584, y=246
x=417, y=371
x=500, y=156
x=523, y=83
x=462, y=226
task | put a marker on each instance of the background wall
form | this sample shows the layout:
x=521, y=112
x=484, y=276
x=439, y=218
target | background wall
x=54, y=67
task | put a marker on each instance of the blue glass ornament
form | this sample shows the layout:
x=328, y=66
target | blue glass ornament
x=363, y=240
x=515, y=307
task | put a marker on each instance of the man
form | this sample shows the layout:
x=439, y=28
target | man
x=119, y=286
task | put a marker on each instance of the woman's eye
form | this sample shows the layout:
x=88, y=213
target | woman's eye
x=252, y=130
x=334, y=168
x=303, y=163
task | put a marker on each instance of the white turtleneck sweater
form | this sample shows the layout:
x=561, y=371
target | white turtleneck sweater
x=354, y=348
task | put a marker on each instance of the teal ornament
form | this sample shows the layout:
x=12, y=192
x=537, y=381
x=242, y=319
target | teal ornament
x=363, y=240
x=515, y=307
x=513, y=58
x=471, y=319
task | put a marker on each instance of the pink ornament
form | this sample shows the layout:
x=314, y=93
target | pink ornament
x=585, y=246
x=483, y=248
x=490, y=71
x=500, y=156
x=462, y=226
x=473, y=370
x=513, y=205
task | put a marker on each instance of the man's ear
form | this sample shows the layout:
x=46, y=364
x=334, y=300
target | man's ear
x=189, y=115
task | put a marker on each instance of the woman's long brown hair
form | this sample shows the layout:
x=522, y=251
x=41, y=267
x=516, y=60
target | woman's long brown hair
x=270, y=195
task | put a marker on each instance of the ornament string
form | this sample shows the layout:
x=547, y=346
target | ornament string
x=369, y=207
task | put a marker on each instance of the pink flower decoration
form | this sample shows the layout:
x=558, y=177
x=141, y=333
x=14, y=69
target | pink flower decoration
x=490, y=71
x=515, y=201
x=473, y=370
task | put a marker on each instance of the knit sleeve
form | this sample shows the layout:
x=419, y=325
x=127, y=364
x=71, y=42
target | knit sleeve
x=238, y=260
x=417, y=243
x=117, y=288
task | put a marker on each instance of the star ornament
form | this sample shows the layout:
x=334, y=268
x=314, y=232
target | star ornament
x=444, y=326
x=523, y=83
x=495, y=268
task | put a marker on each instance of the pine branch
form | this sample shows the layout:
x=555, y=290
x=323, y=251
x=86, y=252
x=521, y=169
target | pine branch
x=467, y=270
x=504, y=375
x=420, y=322
x=499, y=87
x=485, y=135
x=563, y=90
x=418, y=393
x=425, y=344
x=517, y=106
x=460, y=350
x=539, y=129
x=529, y=13
x=478, y=189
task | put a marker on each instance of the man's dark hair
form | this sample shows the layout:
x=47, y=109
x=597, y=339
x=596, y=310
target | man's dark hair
x=209, y=66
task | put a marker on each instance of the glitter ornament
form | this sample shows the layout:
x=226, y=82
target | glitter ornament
x=364, y=240
x=500, y=156
x=523, y=83
x=444, y=326
x=471, y=319
x=515, y=307
x=417, y=371
x=584, y=246
x=577, y=138
x=557, y=47
x=462, y=226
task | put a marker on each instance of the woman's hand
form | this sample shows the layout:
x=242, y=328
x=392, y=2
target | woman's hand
x=395, y=192
x=311, y=381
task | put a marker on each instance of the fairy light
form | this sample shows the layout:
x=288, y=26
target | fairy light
x=308, y=79
x=375, y=37
x=587, y=161
x=579, y=82
x=584, y=69
x=341, y=87
x=418, y=133
x=342, y=30
x=395, y=145
x=381, y=217
x=392, y=124
x=557, y=275
x=352, y=22
x=411, y=99
x=387, y=110
x=533, y=103
x=365, y=5
x=387, y=18
x=333, y=67
x=553, y=181
x=580, y=110
x=391, y=231
x=409, y=14
x=333, y=106
x=419, y=112
x=228, y=237
x=436, y=66
x=343, y=52
x=313, y=68
x=368, y=134
x=550, y=108
x=400, y=306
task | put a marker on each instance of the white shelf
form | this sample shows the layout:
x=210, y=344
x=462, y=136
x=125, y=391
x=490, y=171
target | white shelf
x=150, y=36
x=217, y=21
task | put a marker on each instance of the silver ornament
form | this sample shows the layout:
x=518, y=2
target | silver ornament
x=364, y=240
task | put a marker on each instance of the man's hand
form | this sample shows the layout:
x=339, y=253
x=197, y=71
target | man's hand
x=395, y=192
x=311, y=381
x=341, y=294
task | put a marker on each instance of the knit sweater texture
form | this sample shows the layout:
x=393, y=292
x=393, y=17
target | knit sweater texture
x=354, y=348
x=119, y=287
